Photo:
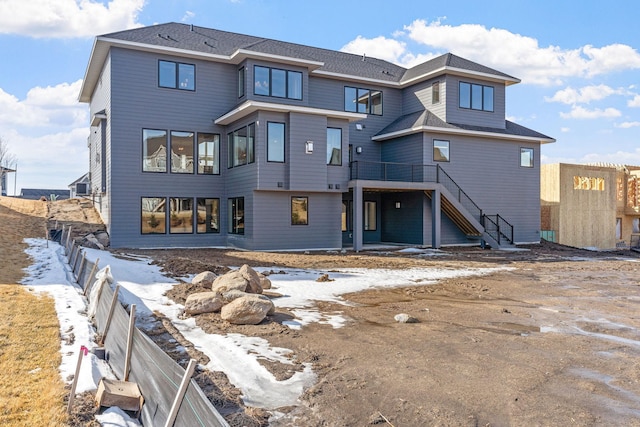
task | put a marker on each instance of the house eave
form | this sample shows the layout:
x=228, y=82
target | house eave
x=251, y=106
x=462, y=73
x=464, y=132
x=102, y=45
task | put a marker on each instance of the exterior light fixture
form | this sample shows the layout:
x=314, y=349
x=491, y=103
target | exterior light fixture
x=359, y=150
x=308, y=147
x=397, y=205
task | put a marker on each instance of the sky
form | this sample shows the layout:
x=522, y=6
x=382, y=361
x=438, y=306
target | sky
x=579, y=66
x=142, y=283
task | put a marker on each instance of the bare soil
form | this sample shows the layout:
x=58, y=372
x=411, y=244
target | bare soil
x=551, y=340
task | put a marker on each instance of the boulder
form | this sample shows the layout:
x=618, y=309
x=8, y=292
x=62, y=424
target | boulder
x=405, y=318
x=203, y=302
x=232, y=294
x=103, y=238
x=204, y=279
x=245, y=279
x=253, y=280
x=229, y=281
x=249, y=309
x=265, y=282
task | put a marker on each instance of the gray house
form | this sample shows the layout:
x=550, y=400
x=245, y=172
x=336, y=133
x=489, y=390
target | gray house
x=204, y=138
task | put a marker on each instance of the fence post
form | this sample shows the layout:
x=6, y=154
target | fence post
x=114, y=301
x=182, y=390
x=82, y=263
x=91, y=274
x=127, y=360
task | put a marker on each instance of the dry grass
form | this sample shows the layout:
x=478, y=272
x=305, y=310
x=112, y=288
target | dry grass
x=31, y=390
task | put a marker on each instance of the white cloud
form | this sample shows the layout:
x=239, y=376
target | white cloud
x=635, y=102
x=565, y=129
x=188, y=15
x=617, y=158
x=584, y=95
x=44, y=107
x=67, y=18
x=47, y=132
x=583, y=113
x=518, y=55
x=380, y=47
x=628, y=125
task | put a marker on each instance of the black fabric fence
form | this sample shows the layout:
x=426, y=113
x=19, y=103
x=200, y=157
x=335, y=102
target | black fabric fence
x=157, y=375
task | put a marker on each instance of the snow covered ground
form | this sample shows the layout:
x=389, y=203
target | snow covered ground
x=236, y=355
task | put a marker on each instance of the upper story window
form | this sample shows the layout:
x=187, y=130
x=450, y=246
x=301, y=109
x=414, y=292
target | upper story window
x=176, y=75
x=241, y=78
x=181, y=152
x=435, y=93
x=334, y=146
x=440, y=150
x=526, y=157
x=154, y=150
x=476, y=97
x=275, y=142
x=276, y=82
x=360, y=100
x=241, y=146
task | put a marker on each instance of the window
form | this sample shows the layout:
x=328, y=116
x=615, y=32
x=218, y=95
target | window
x=635, y=225
x=435, y=93
x=241, y=146
x=440, y=150
x=236, y=215
x=154, y=150
x=476, y=97
x=153, y=215
x=275, y=142
x=208, y=215
x=181, y=215
x=369, y=216
x=241, y=78
x=176, y=75
x=181, y=152
x=334, y=146
x=618, y=228
x=299, y=211
x=588, y=183
x=526, y=157
x=359, y=100
x=208, y=154
x=276, y=82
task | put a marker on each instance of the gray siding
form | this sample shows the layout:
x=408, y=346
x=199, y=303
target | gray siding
x=489, y=172
x=419, y=98
x=272, y=227
x=455, y=114
x=137, y=103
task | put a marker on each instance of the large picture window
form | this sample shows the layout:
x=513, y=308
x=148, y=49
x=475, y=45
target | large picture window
x=176, y=75
x=370, y=216
x=181, y=152
x=181, y=215
x=154, y=150
x=360, y=100
x=241, y=146
x=275, y=142
x=208, y=154
x=475, y=96
x=299, y=211
x=208, y=215
x=334, y=146
x=153, y=215
x=276, y=82
x=440, y=150
x=236, y=215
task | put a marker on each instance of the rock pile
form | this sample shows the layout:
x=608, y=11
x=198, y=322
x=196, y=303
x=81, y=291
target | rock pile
x=237, y=295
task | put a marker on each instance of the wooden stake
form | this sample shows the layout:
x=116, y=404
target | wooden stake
x=91, y=278
x=82, y=261
x=114, y=301
x=72, y=394
x=182, y=390
x=127, y=360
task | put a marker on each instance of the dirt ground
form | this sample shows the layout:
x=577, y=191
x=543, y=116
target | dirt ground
x=551, y=339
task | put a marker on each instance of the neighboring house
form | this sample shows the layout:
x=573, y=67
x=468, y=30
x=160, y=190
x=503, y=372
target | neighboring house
x=38, y=193
x=4, y=172
x=81, y=186
x=590, y=206
x=202, y=137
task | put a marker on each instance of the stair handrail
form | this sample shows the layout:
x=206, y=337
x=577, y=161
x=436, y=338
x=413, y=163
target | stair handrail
x=460, y=192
